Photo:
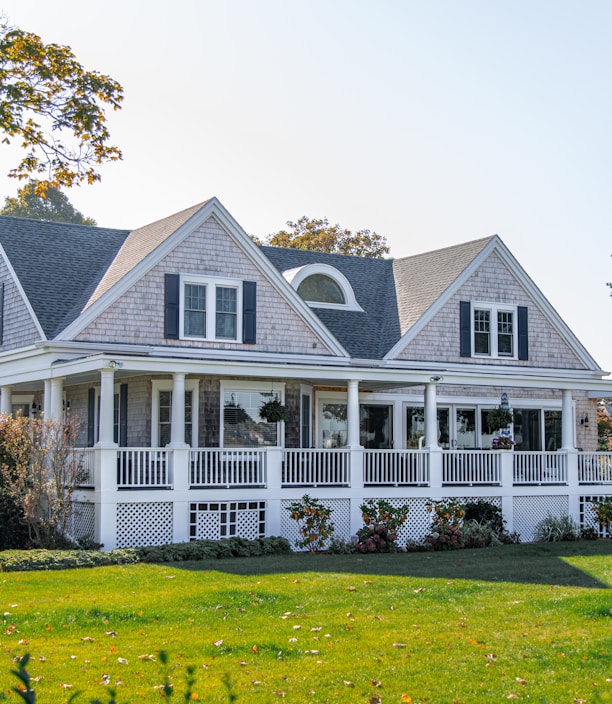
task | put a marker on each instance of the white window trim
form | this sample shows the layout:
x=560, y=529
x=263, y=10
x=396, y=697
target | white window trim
x=264, y=386
x=158, y=385
x=211, y=283
x=297, y=275
x=494, y=309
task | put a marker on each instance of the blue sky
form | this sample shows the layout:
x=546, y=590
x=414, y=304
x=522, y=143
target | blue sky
x=430, y=122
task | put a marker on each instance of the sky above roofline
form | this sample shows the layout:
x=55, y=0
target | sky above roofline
x=430, y=123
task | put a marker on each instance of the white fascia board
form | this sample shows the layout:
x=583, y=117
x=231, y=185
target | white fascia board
x=212, y=208
x=22, y=293
x=528, y=285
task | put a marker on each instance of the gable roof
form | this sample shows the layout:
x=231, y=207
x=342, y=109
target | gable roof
x=58, y=265
x=139, y=244
x=421, y=279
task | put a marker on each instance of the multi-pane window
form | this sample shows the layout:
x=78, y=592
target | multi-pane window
x=494, y=331
x=210, y=307
x=226, y=313
x=195, y=310
x=505, y=333
x=482, y=331
x=165, y=417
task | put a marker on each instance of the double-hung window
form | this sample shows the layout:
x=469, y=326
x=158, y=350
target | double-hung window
x=209, y=308
x=494, y=331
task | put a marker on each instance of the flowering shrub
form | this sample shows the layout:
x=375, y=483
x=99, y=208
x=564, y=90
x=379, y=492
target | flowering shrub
x=382, y=522
x=502, y=442
x=314, y=523
x=447, y=518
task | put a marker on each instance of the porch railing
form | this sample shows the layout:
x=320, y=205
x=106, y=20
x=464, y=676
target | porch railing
x=223, y=468
x=594, y=468
x=85, y=456
x=540, y=468
x=145, y=468
x=395, y=468
x=471, y=467
x=315, y=468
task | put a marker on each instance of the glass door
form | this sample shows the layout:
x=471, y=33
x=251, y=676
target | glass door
x=375, y=427
x=465, y=419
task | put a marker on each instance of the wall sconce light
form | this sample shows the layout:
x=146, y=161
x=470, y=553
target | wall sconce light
x=66, y=406
x=584, y=421
x=114, y=364
x=436, y=378
x=36, y=408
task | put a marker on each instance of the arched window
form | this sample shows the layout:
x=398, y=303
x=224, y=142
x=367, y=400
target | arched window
x=322, y=289
x=323, y=286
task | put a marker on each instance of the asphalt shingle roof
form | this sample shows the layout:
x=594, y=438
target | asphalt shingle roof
x=58, y=264
x=64, y=268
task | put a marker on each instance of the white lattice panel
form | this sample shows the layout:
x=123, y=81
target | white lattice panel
x=418, y=521
x=530, y=510
x=226, y=519
x=144, y=524
x=83, y=520
x=588, y=517
x=208, y=525
x=340, y=516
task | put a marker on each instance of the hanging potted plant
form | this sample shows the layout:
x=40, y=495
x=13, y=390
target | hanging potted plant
x=499, y=418
x=273, y=411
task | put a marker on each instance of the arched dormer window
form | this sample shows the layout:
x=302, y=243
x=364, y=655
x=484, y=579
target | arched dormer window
x=322, y=286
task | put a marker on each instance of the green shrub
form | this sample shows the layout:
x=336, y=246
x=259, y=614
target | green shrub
x=553, y=529
x=39, y=559
x=213, y=549
x=14, y=534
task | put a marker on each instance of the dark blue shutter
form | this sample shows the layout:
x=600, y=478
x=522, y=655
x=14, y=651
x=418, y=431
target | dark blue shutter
x=1, y=313
x=465, y=328
x=171, y=306
x=249, y=312
x=523, y=333
x=91, y=417
x=123, y=410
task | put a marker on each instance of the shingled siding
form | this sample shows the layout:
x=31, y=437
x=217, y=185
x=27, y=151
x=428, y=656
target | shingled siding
x=138, y=316
x=19, y=329
x=494, y=283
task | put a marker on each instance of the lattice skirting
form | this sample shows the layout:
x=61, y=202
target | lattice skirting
x=530, y=510
x=588, y=518
x=82, y=523
x=226, y=519
x=141, y=524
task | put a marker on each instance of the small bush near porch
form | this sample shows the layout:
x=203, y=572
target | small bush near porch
x=527, y=622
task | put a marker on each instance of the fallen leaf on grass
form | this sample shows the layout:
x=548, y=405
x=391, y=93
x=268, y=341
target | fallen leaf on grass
x=218, y=643
x=376, y=683
x=521, y=681
x=123, y=661
x=146, y=657
x=348, y=683
x=400, y=645
x=255, y=649
x=419, y=590
x=351, y=589
x=511, y=695
x=88, y=639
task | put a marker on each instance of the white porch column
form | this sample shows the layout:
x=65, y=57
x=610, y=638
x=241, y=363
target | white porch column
x=567, y=421
x=177, y=431
x=431, y=416
x=6, y=400
x=352, y=413
x=107, y=393
x=56, y=408
x=47, y=399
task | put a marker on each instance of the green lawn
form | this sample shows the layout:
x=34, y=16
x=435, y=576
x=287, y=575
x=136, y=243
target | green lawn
x=530, y=622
